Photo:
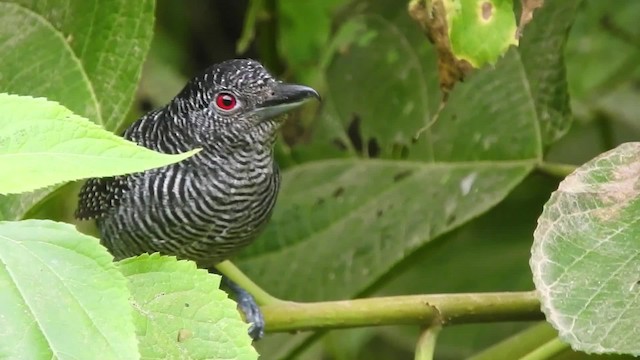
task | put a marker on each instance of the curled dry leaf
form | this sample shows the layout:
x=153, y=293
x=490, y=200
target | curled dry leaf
x=528, y=6
x=431, y=16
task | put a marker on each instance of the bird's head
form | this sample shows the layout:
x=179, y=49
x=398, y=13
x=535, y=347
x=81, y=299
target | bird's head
x=236, y=101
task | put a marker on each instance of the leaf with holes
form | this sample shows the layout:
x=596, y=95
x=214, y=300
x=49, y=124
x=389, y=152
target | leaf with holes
x=42, y=143
x=585, y=257
x=86, y=55
x=182, y=313
x=61, y=295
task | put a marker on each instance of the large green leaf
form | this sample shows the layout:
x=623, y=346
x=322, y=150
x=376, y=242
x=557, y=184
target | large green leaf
x=342, y=224
x=42, y=144
x=180, y=312
x=366, y=216
x=61, y=295
x=86, y=55
x=585, y=256
x=542, y=51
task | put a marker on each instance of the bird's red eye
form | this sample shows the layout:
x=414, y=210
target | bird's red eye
x=226, y=101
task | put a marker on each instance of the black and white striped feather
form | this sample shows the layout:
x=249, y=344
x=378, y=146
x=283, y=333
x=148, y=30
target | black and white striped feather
x=206, y=207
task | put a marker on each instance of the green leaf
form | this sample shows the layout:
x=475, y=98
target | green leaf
x=182, y=313
x=366, y=216
x=585, y=255
x=469, y=256
x=394, y=101
x=86, y=55
x=61, y=295
x=302, y=49
x=254, y=9
x=480, y=31
x=599, y=31
x=541, y=49
x=42, y=143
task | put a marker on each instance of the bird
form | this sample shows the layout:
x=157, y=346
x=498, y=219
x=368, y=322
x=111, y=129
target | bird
x=211, y=205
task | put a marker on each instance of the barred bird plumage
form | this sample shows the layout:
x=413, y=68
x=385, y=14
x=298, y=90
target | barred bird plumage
x=214, y=203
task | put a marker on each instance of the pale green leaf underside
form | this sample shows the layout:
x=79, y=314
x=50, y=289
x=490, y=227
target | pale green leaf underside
x=61, y=295
x=182, y=314
x=47, y=144
x=586, y=255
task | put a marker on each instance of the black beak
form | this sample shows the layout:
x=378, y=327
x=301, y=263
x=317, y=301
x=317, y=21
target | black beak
x=285, y=97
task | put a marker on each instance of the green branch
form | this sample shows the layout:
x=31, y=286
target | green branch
x=426, y=346
x=547, y=351
x=520, y=344
x=556, y=170
x=228, y=269
x=441, y=309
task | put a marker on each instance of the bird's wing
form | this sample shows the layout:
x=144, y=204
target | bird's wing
x=98, y=195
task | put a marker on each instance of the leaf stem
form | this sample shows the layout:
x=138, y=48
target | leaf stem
x=547, y=351
x=555, y=169
x=426, y=345
x=228, y=269
x=443, y=309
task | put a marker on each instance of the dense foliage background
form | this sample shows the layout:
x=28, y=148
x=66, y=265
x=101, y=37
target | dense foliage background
x=367, y=85
x=366, y=209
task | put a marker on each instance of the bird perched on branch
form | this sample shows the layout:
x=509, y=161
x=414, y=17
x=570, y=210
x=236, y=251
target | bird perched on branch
x=211, y=205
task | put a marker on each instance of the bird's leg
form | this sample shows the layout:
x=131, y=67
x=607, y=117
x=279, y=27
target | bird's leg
x=228, y=269
x=246, y=301
x=249, y=307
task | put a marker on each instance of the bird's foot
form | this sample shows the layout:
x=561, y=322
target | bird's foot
x=249, y=307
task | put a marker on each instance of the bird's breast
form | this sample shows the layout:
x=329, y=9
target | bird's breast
x=203, y=213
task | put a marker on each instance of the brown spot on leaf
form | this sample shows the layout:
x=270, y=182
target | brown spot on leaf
x=184, y=335
x=401, y=175
x=487, y=10
x=373, y=149
x=338, y=192
x=355, y=136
